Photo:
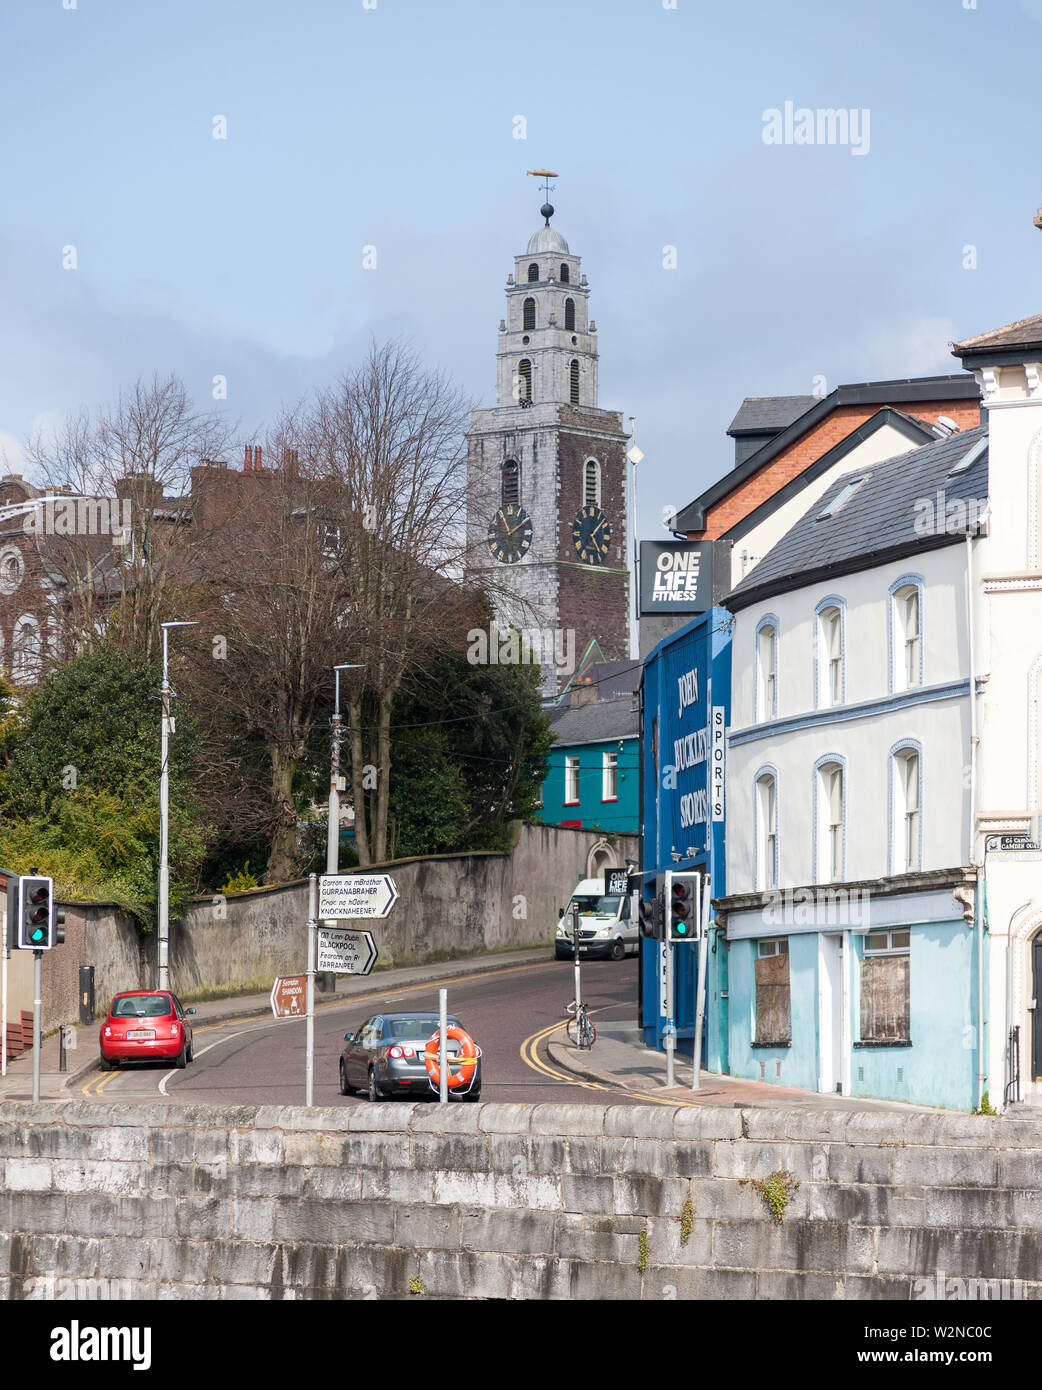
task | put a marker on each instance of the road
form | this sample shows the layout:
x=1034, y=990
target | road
x=508, y=1012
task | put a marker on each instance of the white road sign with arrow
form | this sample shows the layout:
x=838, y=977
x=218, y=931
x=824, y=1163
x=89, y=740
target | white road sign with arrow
x=345, y=952
x=343, y=896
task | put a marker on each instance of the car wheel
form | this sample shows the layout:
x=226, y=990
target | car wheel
x=345, y=1089
x=181, y=1061
x=191, y=1052
x=374, y=1090
x=618, y=950
x=105, y=1065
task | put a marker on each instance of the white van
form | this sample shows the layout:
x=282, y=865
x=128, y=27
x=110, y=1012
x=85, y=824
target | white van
x=607, y=923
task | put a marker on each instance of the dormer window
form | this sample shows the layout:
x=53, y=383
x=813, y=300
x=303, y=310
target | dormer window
x=569, y=315
x=528, y=313
x=533, y=273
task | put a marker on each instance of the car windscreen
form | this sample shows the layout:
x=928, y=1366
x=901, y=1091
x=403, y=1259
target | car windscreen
x=421, y=1026
x=605, y=906
x=141, y=1006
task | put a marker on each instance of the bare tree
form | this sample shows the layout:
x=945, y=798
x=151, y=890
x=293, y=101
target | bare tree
x=120, y=540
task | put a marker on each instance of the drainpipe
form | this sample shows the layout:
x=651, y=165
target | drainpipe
x=972, y=827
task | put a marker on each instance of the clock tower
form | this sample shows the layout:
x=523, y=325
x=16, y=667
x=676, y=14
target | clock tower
x=547, y=523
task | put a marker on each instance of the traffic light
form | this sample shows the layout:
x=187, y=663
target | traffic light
x=37, y=921
x=651, y=917
x=683, y=906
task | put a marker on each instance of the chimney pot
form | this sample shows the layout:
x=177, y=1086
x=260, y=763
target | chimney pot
x=257, y=468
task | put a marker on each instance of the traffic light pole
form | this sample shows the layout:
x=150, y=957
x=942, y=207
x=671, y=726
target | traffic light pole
x=37, y=1019
x=670, y=1030
x=703, y=987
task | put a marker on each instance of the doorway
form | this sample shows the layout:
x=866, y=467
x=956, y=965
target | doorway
x=830, y=1012
x=1036, y=1021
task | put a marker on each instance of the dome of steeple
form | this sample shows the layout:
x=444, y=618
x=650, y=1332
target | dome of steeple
x=546, y=239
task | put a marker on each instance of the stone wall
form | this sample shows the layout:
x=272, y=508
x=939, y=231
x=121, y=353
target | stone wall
x=449, y=905
x=512, y=1201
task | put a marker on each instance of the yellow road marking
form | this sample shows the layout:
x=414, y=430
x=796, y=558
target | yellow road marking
x=530, y=1056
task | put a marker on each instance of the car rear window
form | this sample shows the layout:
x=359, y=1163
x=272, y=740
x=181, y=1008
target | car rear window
x=419, y=1027
x=141, y=1006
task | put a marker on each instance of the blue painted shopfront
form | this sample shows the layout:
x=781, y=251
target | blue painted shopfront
x=686, y=677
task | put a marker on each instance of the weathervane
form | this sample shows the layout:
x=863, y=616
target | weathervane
x=547, y=210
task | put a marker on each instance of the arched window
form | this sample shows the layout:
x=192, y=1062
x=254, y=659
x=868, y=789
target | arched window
x=592, y=483
x=766, y=690
x=830, y=813
x=766, y=829
x=905, y=618
x=830, y=654
x=25, y=650
x=529, y=314
x=533, y=273
x=511, y=483
x=573, y=375
x=906, y=790
x=564, y=273
x=569, y=315
x=524, y=386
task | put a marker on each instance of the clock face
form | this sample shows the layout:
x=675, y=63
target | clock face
x=510, y=534
x=592, y=535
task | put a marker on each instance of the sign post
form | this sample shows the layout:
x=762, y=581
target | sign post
x=289, y=996
x=309, y=1051
x=575, y=952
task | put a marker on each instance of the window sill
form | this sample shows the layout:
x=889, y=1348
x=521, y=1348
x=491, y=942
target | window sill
x=607, y=799
x=570, y=803
x=884, y=1042
x=782, y=1042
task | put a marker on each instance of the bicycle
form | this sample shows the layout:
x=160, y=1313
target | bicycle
x=582, y=1031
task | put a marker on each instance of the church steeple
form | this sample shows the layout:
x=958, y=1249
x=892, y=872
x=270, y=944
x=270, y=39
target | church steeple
x=547, y=346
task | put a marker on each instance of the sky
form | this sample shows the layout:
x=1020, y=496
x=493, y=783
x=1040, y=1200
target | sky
x=720, y=265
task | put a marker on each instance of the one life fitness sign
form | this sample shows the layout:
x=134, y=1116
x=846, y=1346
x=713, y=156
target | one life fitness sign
x=675, y=577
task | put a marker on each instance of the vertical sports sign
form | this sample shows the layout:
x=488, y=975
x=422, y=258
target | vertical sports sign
x=716, y=764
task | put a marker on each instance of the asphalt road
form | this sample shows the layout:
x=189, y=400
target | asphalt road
x=507, y=1012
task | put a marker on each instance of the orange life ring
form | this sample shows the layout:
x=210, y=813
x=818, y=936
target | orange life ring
x=466, y=1061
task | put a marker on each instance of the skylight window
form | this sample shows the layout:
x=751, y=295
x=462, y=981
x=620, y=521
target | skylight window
x=842, y=497
x=969, y=458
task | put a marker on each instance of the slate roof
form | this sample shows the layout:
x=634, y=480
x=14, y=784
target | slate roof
x=877, y=522
x=612, y=679
x=597, y=722
x=1023, y=333
x=758, y=414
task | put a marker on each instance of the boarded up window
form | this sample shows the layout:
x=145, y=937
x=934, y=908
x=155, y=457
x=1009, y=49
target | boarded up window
x=773, y=1020
x=884, y=999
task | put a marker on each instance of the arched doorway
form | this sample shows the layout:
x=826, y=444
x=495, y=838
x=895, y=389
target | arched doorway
x=601, y=856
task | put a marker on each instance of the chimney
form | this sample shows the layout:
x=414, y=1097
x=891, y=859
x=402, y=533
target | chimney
x=257, y=468
x=247, y=463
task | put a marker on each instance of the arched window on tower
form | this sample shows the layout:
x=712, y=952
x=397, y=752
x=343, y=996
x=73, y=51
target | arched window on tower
x=569, y=315
x=25, y=650
x=511, y=492
x=524, y=372
x=564, y=273
x=533, y=272
x=573, y=373
x=591, y=483
x=528, y=312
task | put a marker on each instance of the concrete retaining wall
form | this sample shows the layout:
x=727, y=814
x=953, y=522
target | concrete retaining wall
x=510, y=1201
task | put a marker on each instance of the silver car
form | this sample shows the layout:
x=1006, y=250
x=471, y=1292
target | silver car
x=384, y=1057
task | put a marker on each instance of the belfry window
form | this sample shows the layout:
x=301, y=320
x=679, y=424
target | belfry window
x=533, y=273
x=573, y=375
x=569, y=315
x=511, y=483
x=592, y=484
x=524, y=373
x=528, y=314
x=564, y=273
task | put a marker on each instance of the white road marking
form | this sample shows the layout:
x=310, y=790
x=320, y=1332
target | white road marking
x=216, y=1042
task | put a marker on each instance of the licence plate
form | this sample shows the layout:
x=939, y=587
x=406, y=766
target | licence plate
x=141, y=1033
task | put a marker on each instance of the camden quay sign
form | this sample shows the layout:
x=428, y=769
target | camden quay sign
x=675, y=577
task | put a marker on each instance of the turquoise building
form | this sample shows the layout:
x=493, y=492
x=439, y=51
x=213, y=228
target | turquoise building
x=593, y=779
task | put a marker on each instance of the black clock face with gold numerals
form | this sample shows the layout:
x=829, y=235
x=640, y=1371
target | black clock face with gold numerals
x=592, y=535
x=510, y=534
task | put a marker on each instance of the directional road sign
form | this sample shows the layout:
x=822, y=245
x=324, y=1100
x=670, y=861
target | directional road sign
x=355, y=895
x=345, y=952
x=289, y=996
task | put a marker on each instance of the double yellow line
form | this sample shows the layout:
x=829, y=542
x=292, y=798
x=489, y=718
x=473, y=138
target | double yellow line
x=97, y=1084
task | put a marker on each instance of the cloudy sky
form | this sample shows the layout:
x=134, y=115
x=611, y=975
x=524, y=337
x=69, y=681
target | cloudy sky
x=394, y=124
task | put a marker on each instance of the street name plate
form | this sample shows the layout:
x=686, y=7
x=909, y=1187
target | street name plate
x=343, y=896
x=342, y=951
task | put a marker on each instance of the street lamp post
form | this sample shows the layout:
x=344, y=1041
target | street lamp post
x=333, y=824
x=167, y=725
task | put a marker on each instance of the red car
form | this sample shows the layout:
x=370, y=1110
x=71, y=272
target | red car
x=145, y=1026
